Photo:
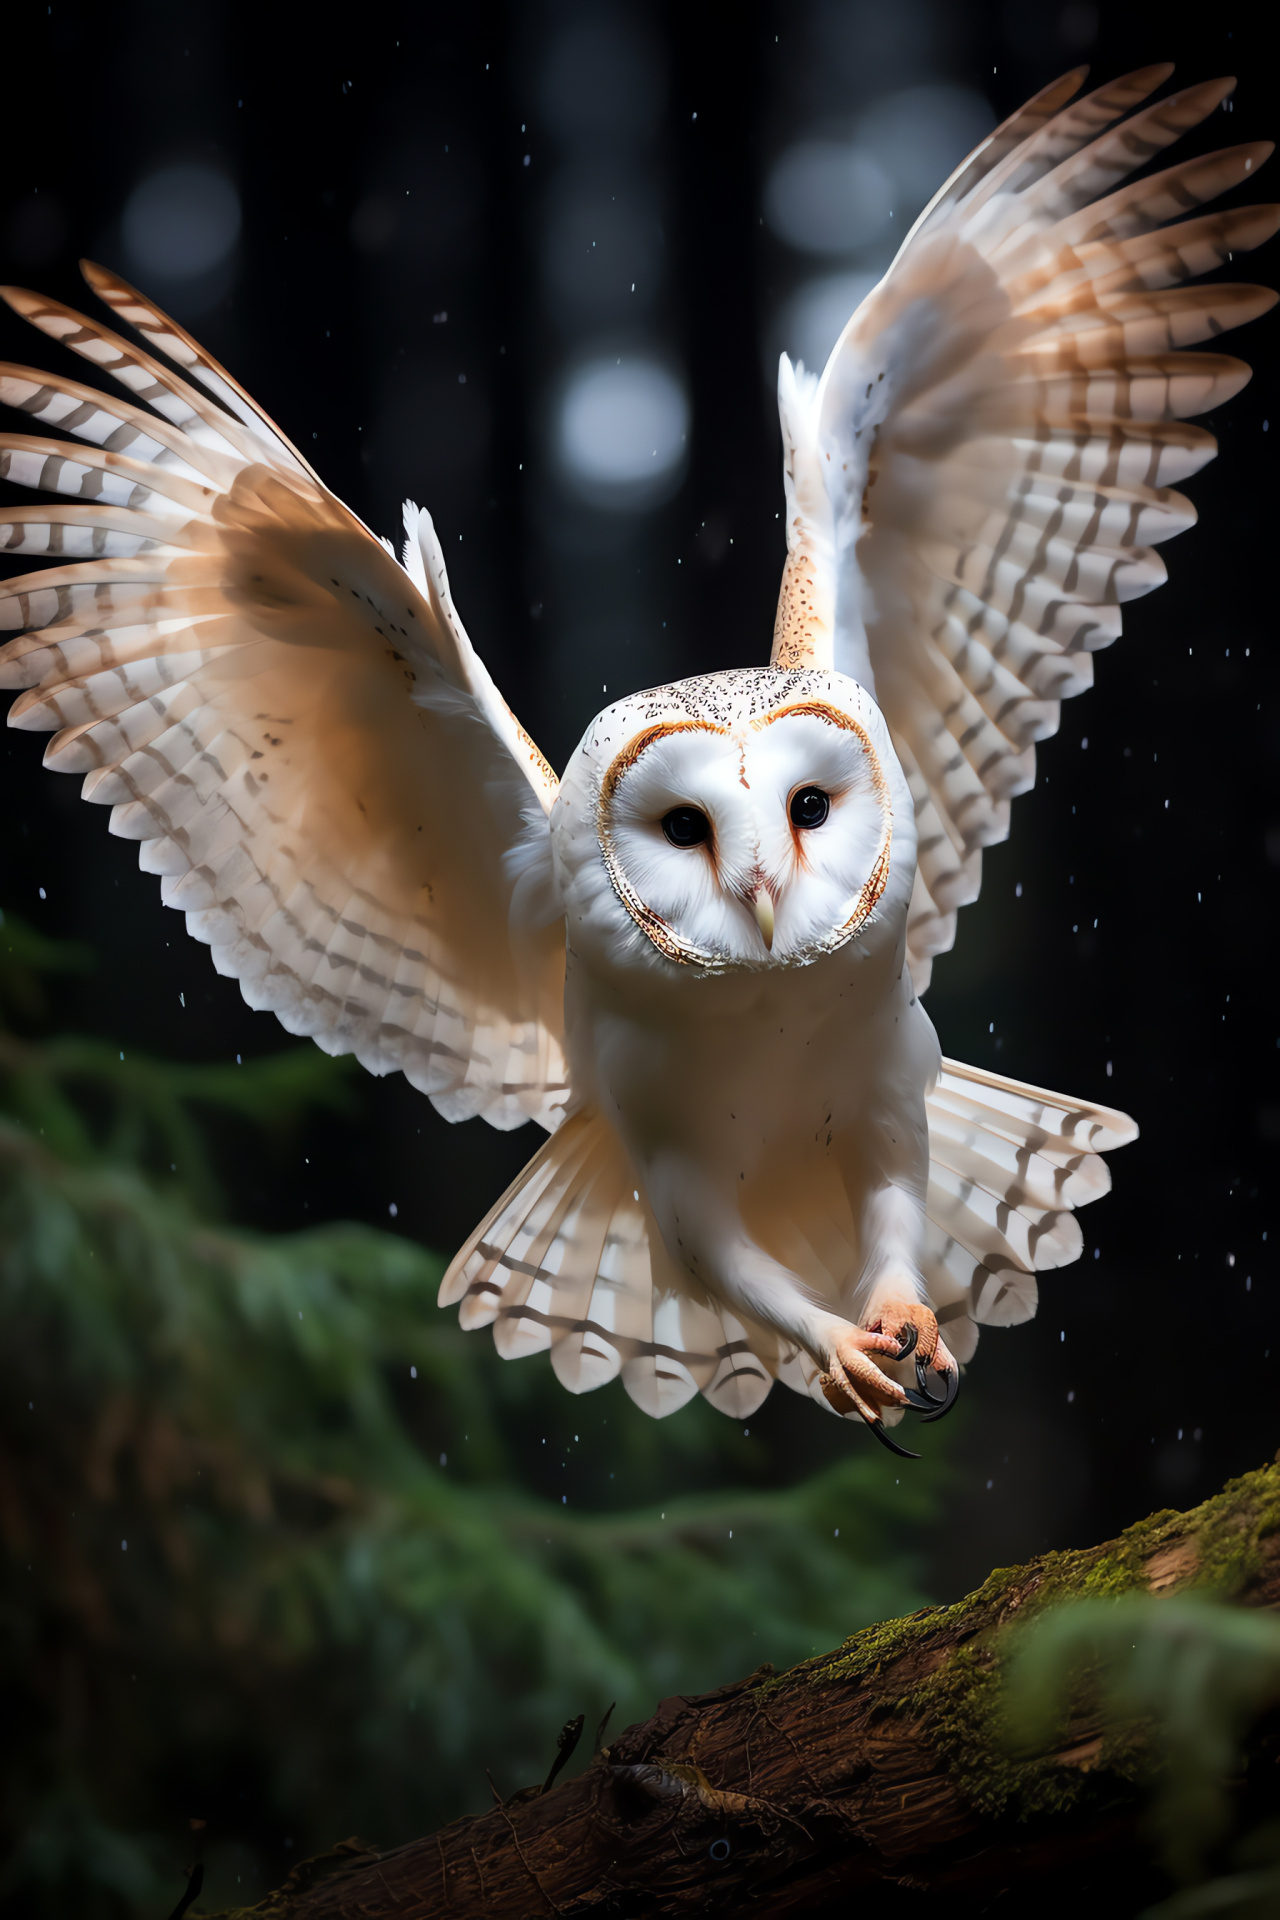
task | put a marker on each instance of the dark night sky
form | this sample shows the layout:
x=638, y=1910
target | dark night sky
x=382, y=179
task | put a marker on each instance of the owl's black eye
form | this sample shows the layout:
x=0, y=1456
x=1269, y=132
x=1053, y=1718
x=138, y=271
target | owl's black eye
x=809, y=807
x=686, y=826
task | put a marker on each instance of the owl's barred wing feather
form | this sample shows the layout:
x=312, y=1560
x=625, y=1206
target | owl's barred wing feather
x=569, y=1261
x=1008, y=1166
x=979, y=480
x=293, y=725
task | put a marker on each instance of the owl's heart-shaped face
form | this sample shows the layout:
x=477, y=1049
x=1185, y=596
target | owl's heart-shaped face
x=760, y=841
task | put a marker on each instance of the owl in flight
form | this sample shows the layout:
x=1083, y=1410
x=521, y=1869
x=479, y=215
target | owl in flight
x=697, y=959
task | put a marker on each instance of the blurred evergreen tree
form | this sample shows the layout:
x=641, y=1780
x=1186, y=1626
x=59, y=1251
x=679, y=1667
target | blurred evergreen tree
x=1182, y=1681
x=283, y=1548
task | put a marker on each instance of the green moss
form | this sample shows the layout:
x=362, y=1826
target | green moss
x=957, y=1701
x=1235, y=1523
x=865, y=1654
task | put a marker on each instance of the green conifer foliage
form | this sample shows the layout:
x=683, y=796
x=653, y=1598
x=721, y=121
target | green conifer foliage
x=288, y=1553
x=1181, y=1681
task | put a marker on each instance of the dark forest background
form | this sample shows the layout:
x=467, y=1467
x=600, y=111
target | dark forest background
x=364, y=1558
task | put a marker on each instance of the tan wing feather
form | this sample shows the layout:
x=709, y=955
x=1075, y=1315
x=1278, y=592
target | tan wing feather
x=997, y=433
x=148, y=381
x=284, y=718
x=177, y=344
x=106, y=421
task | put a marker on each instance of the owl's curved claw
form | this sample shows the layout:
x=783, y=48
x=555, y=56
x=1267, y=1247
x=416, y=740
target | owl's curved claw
x=932, y=1405
x=883, y=1436
x=937, y=1407
x=915, y=1329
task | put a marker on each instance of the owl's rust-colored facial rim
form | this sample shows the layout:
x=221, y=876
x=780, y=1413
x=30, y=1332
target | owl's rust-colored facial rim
x=878, y=879
x=657, y=930
x=651, y=924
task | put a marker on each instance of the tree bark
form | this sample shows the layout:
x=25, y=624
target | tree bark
x=875, y=1771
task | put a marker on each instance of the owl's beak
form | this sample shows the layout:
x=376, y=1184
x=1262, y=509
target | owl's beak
x=762, y=907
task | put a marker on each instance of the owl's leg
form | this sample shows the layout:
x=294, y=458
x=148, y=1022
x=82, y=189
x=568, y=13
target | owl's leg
x=705, y=1234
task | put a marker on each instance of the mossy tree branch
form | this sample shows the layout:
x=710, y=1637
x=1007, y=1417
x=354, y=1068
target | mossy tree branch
x=879, y=1769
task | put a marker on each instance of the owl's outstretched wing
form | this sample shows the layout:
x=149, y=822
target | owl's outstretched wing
x=977, y=483
x=294, y=725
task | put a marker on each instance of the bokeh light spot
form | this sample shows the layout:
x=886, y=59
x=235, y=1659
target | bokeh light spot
x=827, y=197
x=622, y=430
x=181, y=222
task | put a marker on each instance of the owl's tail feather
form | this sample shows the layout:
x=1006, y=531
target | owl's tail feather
x=1009, y=1164
x=568, y=1260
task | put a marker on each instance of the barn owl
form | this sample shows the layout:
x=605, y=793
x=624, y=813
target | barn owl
x=696, y=961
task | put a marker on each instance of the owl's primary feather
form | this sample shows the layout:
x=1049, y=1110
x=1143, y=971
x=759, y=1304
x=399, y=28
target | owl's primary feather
x=755, y=1142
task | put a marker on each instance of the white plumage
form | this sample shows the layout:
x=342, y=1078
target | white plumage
x=759, y=1166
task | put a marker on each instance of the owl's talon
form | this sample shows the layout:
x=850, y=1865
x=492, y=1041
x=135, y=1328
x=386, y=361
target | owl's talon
x=883, y=1436
x=912, y=1325
x=938, y=1407
x=853, y=1382
x=932, y=1406
x=914, y=1328
x=841, y=1393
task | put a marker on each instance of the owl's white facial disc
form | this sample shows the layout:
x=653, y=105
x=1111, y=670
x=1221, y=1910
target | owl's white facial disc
x=763, y=842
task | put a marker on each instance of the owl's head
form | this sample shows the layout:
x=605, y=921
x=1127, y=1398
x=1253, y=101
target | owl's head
x=744, y=820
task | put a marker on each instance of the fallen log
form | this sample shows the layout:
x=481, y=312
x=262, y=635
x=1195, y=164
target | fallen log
x=875, y=1772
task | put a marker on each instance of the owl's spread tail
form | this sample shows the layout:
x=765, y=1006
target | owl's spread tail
x=568, y=1260
x=1008, y=1166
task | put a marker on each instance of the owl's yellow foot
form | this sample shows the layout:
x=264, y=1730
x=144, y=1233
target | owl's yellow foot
x=914, y=1329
